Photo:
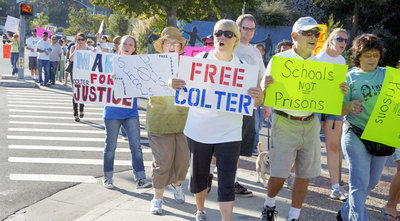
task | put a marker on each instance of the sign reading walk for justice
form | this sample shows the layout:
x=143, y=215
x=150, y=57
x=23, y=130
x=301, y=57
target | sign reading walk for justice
x=384, y=123
x=93, y=81
x=306, y=85
x=216, y=85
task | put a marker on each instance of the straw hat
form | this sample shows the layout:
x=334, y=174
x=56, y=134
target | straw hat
x=170, y=33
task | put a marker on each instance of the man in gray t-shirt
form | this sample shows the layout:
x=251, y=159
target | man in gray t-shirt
x=55, y=58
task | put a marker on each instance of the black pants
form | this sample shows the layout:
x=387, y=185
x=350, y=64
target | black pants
x=227, y=155
x=74, y=104
x=248, y=134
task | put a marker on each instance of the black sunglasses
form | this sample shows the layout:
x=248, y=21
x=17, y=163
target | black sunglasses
x=310, y=33
x=340, y=39
x=227, y=34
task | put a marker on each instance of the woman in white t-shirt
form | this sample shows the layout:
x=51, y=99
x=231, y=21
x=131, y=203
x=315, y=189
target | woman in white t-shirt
x=212, y=132
x=331, y=52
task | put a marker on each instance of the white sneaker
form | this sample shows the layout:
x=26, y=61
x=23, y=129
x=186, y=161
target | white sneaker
x=143, y=183
x=338, y=194
x=201, y=216
x=108, y=183
x=290, y=182
x=178, y=193
x=156, y=206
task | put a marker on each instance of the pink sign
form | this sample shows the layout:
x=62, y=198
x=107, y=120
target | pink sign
x=192, y=51
x=40, y=31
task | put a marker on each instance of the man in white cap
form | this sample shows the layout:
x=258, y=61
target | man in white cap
x=296, y=133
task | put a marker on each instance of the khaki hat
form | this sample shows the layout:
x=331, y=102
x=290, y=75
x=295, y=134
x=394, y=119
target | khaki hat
x=170, y=33
x=305, y=24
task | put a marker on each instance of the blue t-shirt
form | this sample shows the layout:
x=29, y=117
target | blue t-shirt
x=121, y=113
x=367, y=86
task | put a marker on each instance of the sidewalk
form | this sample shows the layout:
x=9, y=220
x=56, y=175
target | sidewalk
x=93, y=202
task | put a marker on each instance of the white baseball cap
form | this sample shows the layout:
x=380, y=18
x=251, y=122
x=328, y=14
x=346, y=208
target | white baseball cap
x=305, y=24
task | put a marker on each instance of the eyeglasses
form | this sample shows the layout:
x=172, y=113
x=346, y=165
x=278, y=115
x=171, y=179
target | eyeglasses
x=340, y=39
x=172, y=44
x=370, y=55
x=248, y=29
x=227, y=34
x=209, y=43
x=80, y=39
x=310, y=33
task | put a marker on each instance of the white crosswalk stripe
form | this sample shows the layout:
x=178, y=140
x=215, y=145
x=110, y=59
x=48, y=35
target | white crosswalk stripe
x=41, y=131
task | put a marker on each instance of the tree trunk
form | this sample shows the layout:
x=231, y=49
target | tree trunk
x=356, y=18
x=171, y=16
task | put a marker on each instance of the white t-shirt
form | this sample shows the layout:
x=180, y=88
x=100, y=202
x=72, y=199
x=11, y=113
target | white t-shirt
x=211, y=126
x=32, y=43
x=44, y=46
x=55, y=53
x=288, y=54
x=251, y=55
x=325, y=57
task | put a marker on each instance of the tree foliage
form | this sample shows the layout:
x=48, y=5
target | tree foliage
x=119, y=25
x=83, y=21
x=174, y=9
x=40, y=21
x=272, y=13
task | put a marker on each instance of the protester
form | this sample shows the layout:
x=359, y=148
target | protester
x=44, y=48
x=101, y=41
x=90, y=44
x=165, y=123
x=261, y=48
x=283, y=45
x=390, y=210
x=212, y=132
x=287, y=146
x=14, y=51
x=61, y=68
x=31, y=44
x=68, y=69
x=55, y=58
x=114, y=118
x=80, y=44
x=208, y=41
x=117, y=42
x=365, y=169
x=334, y=45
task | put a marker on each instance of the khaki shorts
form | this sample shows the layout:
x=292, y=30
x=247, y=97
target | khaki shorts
x=296, y=142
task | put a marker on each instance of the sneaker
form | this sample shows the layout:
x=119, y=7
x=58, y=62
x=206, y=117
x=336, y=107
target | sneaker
x=269, y=214
x=142, y=183
x=209, y=182
x=156, y=206
x=201, y=216
x=242, y=191
x=339, y=216
x=108, y=183
x=125, y=138
x=178, y=193
x=338, y=194
x=290, y=182
x=255, y=152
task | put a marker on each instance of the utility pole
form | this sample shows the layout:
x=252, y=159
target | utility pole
x=243, y=8
x=25, y=9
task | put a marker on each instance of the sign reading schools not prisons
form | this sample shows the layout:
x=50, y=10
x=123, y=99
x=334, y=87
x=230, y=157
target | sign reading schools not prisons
x=216, y=85
x=306, y=85
x=384, y=123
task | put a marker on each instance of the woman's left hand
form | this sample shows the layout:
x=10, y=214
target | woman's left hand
x=176, y=83
x=344, y=87
x=255, y=93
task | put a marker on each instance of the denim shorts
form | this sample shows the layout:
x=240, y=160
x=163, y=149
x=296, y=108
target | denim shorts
x=322, y=119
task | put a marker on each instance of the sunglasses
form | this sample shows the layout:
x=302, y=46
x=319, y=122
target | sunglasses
x=340, y=39
x=227, y=34
x=310, y=33
x=80, y=39
x=370, y=55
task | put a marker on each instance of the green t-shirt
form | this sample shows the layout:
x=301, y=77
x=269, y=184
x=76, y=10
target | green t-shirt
x=163, y=117
x=363, y=85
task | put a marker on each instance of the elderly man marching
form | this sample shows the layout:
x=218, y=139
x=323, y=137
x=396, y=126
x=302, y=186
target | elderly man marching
x=287, y=146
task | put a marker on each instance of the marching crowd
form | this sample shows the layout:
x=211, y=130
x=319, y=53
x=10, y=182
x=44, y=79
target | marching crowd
x=199, y=140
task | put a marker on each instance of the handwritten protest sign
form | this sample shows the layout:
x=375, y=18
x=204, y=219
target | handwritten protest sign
x=144, y=75
x=40, y=31
x=321, y=39
x=306, y=85
x=101, y=27
x=216, y=85
x=109, y=46
x=93, y=82
x=193, y=51
x=6, y=51
x=11, y=24
x=383, y=124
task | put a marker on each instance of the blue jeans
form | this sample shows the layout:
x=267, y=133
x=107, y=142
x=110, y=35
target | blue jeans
x=132, y=128
x=46, y=65
x=53, y=71
x=258, y=118
x=14, y=61
x=365, y=172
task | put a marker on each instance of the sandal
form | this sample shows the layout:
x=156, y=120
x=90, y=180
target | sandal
x=386, y=215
